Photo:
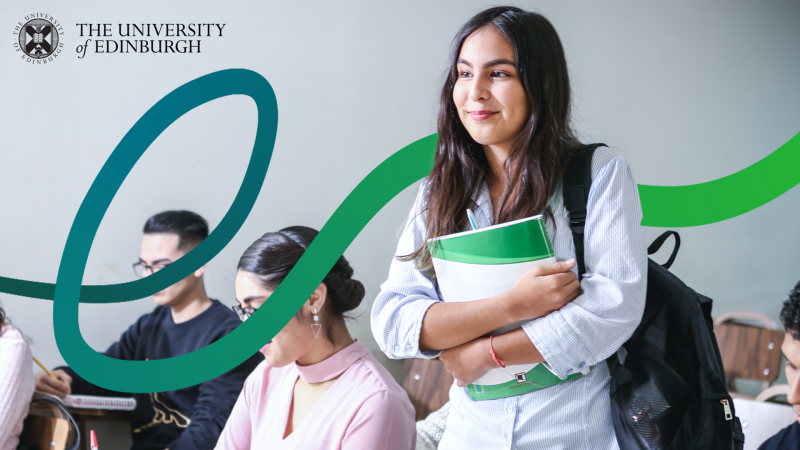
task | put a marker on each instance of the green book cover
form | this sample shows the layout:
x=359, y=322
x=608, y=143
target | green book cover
x=485, y=262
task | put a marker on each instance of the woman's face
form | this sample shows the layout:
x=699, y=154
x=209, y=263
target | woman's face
x=294, y=341
x=488, y=93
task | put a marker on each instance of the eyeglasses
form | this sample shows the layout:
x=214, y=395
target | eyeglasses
x=141, y=269
x=243, y=313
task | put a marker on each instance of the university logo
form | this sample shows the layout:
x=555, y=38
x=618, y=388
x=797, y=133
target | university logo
x=39, y=38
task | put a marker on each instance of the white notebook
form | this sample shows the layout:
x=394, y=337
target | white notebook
x=95, y=402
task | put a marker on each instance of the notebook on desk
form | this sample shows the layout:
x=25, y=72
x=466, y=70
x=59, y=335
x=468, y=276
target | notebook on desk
x=94, y=402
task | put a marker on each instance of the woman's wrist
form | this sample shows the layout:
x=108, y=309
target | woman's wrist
x=504, y=305
x=486, y=354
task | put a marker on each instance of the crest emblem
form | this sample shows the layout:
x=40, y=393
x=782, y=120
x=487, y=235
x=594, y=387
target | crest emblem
x=38, y=38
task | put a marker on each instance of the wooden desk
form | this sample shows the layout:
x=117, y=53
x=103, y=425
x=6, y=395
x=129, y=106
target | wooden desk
x=82, y=415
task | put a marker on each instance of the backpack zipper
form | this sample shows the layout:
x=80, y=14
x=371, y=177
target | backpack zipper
x=728, y=415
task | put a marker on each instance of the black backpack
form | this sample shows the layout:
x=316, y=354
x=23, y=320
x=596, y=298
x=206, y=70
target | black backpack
x=668, y=387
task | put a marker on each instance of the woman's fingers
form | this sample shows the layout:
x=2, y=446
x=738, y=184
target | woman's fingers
x=66, y=379
x=572, y=291
x=49, y=385
x=564, y=279
x=552, y=269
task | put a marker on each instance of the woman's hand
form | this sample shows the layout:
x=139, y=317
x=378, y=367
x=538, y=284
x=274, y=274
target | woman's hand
x=60, y=387
x=542, y=290
x=468, y=362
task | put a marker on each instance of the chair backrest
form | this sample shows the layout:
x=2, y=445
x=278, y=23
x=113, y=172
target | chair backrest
x=779, y=390
x=761, y=421
x=427, y=384
x=744, y=316
x=749, y=352
x=48, y=426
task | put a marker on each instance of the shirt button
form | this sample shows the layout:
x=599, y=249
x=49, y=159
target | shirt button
x=510, y=409
x=582, y=365
x=397, y=349
x=568, y=371
x=408, y=348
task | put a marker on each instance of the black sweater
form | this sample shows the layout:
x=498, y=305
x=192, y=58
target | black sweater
x=786, y=439
x=185, y=419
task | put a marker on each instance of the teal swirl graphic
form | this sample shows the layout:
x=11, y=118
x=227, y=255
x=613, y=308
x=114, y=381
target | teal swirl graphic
x=675, y=206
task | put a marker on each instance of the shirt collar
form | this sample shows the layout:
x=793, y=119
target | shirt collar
x=481, y=196
x=334, y=366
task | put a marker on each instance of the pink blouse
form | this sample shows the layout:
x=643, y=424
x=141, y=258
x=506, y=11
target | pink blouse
x=363, y=409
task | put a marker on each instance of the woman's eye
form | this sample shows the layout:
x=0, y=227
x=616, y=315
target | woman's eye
x=499, y=74
x=464, y=74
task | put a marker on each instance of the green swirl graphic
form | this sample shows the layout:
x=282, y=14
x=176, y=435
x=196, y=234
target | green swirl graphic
x=674, y=206
x=725, y=198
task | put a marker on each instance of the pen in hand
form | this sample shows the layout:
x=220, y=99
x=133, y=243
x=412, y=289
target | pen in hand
x=44, y=368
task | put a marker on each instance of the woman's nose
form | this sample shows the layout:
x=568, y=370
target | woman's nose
x=479, y=90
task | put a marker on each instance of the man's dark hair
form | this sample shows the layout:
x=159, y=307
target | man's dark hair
x=790, y=314
x=190, y=228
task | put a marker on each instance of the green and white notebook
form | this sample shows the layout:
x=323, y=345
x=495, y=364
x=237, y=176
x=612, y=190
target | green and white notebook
x=485, y=262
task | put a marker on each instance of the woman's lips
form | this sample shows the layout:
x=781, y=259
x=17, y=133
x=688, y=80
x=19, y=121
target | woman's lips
x=481, y=115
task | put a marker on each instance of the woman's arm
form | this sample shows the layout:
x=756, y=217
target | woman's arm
x=470, y=361
x=539, y=292
x=16, y=384
x=409, y=320
x=588, y=330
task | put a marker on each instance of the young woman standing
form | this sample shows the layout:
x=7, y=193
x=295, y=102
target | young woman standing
x=504, y=143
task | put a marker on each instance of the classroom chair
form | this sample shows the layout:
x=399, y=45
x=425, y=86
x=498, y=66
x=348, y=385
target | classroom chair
x=762, y=419
x=748, y=352
x=427, y=385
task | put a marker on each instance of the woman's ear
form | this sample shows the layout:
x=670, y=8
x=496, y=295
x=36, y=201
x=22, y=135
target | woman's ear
x=317, y=299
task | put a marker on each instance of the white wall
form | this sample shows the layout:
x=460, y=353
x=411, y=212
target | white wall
x=686, y=91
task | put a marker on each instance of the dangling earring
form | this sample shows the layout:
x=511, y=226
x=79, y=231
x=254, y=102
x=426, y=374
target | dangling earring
x=316, y=325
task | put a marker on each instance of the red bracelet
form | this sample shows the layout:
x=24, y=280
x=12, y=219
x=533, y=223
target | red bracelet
x=499, y=361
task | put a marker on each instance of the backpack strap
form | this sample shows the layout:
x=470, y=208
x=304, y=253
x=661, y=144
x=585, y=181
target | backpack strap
x=577, y=182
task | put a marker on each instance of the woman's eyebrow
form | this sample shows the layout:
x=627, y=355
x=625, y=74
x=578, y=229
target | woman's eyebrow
x=500, y=61
x=253, y=297
x=494, y=62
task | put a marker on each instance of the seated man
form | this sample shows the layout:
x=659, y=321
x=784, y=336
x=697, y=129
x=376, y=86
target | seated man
x=789, y=437
x=184, y=320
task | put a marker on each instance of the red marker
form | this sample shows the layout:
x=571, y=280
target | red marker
x=94, y=441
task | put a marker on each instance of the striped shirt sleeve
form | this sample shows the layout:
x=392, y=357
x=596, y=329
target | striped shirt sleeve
x=593, y=326
x=406, y=295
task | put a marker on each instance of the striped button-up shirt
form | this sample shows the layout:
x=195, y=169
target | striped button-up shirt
x=581, y=335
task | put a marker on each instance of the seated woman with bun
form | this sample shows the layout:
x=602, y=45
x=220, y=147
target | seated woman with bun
x=318, y=388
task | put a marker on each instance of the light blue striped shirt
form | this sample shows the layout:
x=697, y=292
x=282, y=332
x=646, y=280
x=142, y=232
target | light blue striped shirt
x=570, y=415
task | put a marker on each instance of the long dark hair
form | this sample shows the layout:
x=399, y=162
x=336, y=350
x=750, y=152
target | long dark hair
x=536, y=163
x=2, y=317
x=273, y=256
